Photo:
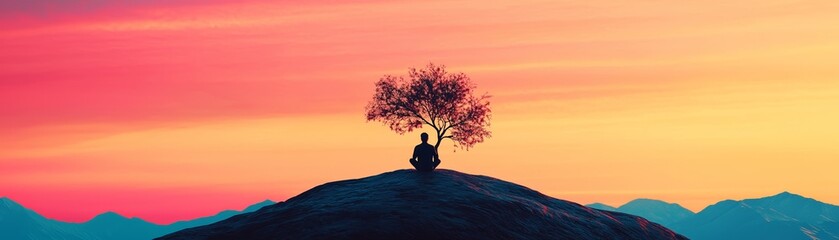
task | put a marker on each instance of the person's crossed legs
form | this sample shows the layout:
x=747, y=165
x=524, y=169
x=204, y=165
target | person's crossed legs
x=424, y=166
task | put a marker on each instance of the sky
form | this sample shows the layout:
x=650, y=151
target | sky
x=171, y=110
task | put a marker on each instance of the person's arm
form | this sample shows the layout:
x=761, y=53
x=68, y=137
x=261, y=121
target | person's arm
x=415, y=153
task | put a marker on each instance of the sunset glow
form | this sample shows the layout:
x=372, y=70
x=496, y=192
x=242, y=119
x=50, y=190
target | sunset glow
x=171, y=110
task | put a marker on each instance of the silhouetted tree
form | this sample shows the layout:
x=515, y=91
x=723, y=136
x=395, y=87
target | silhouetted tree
x=436, y=98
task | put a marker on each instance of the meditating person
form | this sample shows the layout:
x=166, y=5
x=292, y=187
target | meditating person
x=425, y=157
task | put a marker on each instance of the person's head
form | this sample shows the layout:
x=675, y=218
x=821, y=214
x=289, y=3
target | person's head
x=424, y=137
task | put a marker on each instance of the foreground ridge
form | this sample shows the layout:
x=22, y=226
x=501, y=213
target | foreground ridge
x=445, y=204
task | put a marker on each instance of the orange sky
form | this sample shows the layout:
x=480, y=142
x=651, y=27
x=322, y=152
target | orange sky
x=169, y=110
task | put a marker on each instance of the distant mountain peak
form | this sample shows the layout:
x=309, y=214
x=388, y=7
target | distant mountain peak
x=658, y=211
x=259, y=205
x=602, y=206
x=108, y=216
x=790, y=197
x=786, y=194
x=111, y=217
x=8, y=203
x=6, y=200
x=782, y=199
x=646, y=201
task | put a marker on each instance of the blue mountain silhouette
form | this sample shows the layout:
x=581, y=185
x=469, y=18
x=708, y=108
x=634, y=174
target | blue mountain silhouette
x=110, y=225
x=601, y=206
x=783, y=216
x=18, y=222
x=657, y=211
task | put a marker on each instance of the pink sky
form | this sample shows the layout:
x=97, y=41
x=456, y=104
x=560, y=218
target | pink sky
x=170, y=110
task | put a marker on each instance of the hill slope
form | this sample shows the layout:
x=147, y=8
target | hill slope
x=215, y=218
x=444, y=204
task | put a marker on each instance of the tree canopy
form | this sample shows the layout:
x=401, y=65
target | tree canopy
x=434, y=97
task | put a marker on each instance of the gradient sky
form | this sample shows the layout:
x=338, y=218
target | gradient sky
x=170, y=110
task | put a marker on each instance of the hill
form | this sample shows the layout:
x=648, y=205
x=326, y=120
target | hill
x=445, y=204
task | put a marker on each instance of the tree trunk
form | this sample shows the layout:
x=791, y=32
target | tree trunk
x=437, y=145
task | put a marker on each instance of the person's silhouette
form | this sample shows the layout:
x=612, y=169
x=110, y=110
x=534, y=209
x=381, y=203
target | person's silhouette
x=425, y=157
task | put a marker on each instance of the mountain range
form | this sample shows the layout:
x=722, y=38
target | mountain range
x=784, y=216
x=20, y=223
